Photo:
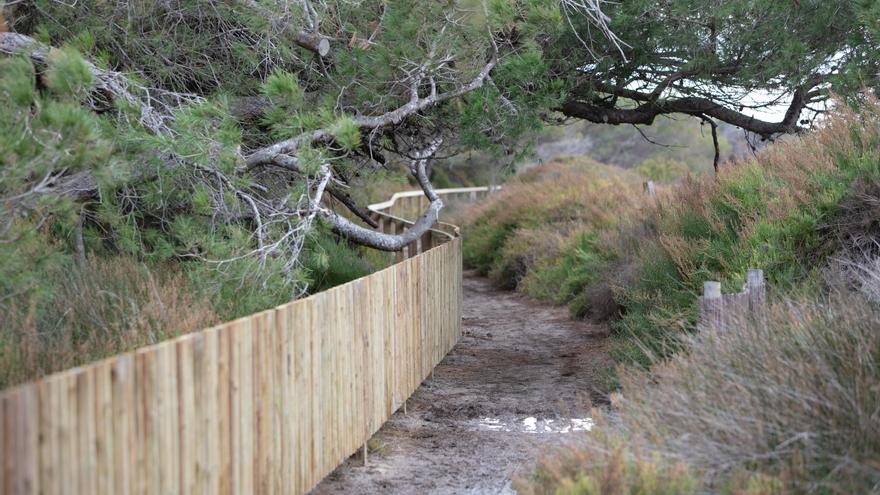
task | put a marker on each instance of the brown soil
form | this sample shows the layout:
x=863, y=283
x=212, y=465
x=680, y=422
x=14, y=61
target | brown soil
x=517, y=383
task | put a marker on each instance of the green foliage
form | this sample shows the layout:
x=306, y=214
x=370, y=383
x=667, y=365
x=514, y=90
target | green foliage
x=539, y=234
x=184, y=221
x=763, y=214
x=69, y=75
x=662, y=170
x=283, y=88
x=41, y=134
x=331, y=263
x=347, y=134
x=773, y=212
x=563, y=278
x=529, y=88
x=181, y=46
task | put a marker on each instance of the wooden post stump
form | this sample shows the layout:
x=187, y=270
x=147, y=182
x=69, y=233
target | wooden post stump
x=711, y=306
x=757, y=289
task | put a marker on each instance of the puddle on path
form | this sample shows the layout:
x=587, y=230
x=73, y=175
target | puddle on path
x=532, y=424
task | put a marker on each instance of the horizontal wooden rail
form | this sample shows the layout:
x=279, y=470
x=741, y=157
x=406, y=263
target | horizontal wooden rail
x=408, y=205
x=269, y=403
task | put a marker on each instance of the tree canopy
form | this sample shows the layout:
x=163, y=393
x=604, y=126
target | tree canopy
x=228, y=133
x=716, y=60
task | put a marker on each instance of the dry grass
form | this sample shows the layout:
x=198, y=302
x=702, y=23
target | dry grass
x=797, y=398
x=527, y=235
x=787, y=407
x=607, y=465
x=792, y=406
x=106, y=307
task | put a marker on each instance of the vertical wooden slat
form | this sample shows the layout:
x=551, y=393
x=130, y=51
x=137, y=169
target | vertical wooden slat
x=124, y=423
x=169, y=418
x=6, y=445
x=104, y=427
x=19, y=471
x=146, y=454
x=84, y=431
x=277, y=436
x=288, y=420
x=243, y=406
x=188, y=420
x=757, y=293
x=306, y=349
x=48, y=433
x=209, y=409
x=68, y=445
x=363, y=295
x=389, y=300
x=18, y=439
x=264, y=415
x=225, y=429
x=425, y=349
x=711, y=306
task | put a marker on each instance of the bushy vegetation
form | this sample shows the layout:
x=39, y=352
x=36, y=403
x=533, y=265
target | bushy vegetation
x=786, y=407
x=550, y=217
x=788, y=211
x=782, y=212
x=783, y=407
x=58, y=312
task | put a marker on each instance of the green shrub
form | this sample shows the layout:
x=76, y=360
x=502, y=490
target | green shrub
x=571, y=232
x=662, y=170
x=165, y=236
x=330, y=262
x=564, y=278
x=530, y=221
x=770, y=213
x=180, y=46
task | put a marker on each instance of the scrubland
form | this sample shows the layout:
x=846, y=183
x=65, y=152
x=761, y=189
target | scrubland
x=790, y=406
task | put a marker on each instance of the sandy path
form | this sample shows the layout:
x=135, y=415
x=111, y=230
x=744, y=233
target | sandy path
x=518, y=381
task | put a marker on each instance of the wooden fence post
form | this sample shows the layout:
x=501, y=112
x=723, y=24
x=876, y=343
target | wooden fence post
x=397, y=229
x=425, y=242
x=711, y=305
x=649, y=187
x=757, y=290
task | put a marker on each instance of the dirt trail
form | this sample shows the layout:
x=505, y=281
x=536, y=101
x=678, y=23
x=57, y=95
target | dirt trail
x=518, y=381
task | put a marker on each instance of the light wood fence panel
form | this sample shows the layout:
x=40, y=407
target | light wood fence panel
x=269, y=403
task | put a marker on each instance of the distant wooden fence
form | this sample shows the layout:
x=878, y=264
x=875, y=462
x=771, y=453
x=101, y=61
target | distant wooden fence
x=410, y=204
x=269, y=403
x=722, y=311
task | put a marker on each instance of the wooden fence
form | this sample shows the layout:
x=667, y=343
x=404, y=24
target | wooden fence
x=269, y=403
x=410, y=204
x=721, y=311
